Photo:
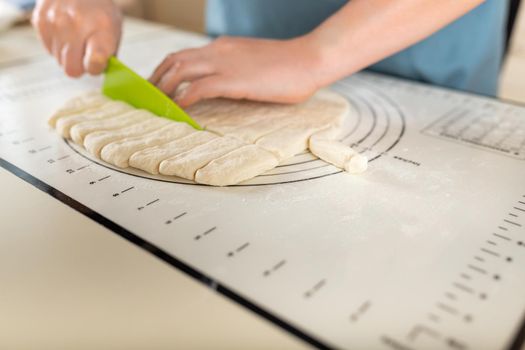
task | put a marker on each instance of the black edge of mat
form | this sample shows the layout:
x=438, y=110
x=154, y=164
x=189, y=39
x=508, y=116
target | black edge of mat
x=519, y=337
x=159, y=253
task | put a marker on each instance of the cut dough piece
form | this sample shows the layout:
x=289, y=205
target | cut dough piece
x=357, y=165
x=119, y=152
x=227, y=126
x=289, y=141
x=251, y=133
x=209, y=111
x=224, y=112
x=79, y=131
x=221, y=130
x=333, y=152
x=88, y=101
x=149, y=159
x=324, y=103
x=186, y=164
x=239, y=165
x=95, y=141
x=111, y=109
x=333, y=132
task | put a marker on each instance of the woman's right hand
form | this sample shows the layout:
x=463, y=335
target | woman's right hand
x=81, y=34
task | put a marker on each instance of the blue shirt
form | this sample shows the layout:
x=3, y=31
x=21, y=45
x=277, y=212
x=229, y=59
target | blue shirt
x=465, y=55
x=23, y=4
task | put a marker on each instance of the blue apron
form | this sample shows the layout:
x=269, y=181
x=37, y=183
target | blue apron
x=465, y=55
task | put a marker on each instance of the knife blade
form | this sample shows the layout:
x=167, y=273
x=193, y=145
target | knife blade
x=123, y=84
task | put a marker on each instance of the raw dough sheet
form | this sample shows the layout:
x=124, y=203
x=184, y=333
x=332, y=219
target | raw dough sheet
x=123, y=136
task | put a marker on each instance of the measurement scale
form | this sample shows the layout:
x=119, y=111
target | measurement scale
x=425, y=250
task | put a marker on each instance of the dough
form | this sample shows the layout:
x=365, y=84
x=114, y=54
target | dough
x=89, y=101
x=252, y=132
x=81, y=130
x=237, y=166
x=111, y=109
x=210, y=111
x=95, y=141
x=149, y=159
x=185, y=165
x=294, y=138
x=357, y=164
x=225, y=116
x=324, y=103
x=218, y=113
x=119, y=152
x=333, y=132
x=244, y=138
x=227, y=125
x=331, y=151
x=337, y=153
x=289, y=141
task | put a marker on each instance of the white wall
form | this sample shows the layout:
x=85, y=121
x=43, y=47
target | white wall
x=185, y=14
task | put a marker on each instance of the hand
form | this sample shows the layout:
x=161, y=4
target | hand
x=240, y=68
x=81, y=34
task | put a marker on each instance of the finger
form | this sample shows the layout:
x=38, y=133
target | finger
x=61, y=32
x=99, y=47
x=161, y=69
x=72, y=59
x=170, y=60
x=56, y=50
x=41, y=24
x=183, y=72
x=210, y=87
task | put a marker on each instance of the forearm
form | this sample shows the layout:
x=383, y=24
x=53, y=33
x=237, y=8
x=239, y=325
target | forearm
x=290, y=71
x=366, y=31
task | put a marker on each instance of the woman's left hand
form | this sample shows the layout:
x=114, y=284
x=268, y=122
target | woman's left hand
x=241, y=68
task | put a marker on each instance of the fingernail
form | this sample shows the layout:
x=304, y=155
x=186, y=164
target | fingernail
x=96, y=65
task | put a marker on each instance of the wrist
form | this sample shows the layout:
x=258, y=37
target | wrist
x=334, y=54
x=318, y=55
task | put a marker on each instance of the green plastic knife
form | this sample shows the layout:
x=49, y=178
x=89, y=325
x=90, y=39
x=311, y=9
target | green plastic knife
x=123, y=84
